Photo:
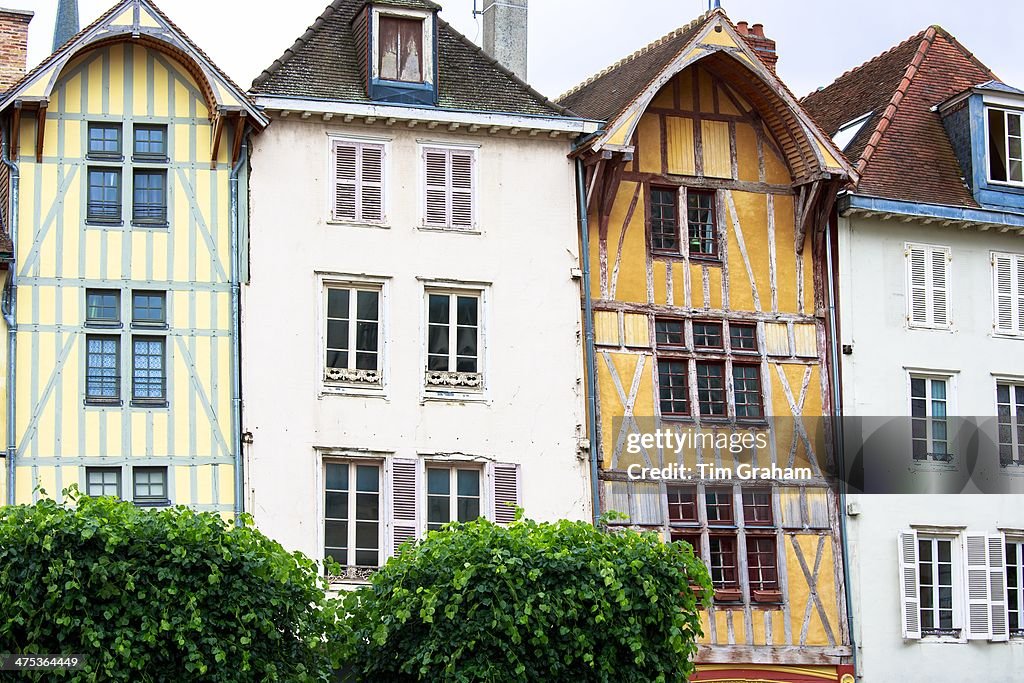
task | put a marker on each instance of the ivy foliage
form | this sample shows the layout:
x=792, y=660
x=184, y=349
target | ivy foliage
x=168, y=595
x=530, y=602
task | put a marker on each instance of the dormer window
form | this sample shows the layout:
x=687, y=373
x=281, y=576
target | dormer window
x=1005, y=153
x=401, y=49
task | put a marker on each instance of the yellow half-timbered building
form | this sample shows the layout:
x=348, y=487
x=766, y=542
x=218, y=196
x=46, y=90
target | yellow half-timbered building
x=707, y=199
x=126, y=161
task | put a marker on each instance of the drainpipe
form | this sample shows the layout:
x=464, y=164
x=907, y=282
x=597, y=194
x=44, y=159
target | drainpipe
x=588, y=327
x=236, y=368
x=837, y=432
x=9, y=314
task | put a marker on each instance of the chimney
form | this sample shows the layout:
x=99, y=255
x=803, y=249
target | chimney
x=13, y=46
x=66, y=26
x=764, y=47
x=505, y=33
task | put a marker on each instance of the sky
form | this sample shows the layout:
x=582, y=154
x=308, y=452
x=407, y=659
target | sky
x=570, y=40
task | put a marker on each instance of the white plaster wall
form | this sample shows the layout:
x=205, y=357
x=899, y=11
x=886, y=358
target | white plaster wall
x=873, y=316
x=534, y=413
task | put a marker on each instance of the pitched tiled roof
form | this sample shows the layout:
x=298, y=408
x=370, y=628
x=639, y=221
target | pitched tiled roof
x=324, y=64
x=902, y=151
x=608, y=93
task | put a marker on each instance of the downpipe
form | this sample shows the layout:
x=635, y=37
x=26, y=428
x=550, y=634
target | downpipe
x=9, y=314
x=236, y=346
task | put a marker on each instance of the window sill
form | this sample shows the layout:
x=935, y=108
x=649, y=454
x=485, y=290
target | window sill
x=97, y=325
x=1008, y=335
x=453, y=231
x=353, y=391
x=105, y=158
x=453, y=397
x=706, y=260
x=155, y=503
x=157, y=225
x=360, y=224
x=103, y=403
x=930, y=328
x=156, y=327
x=100, y=223
x=150, y=404
x=144, y=159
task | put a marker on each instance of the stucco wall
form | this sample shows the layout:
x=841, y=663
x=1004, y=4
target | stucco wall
x=527, y=247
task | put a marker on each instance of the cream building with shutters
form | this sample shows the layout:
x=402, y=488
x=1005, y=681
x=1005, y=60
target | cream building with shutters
x=930, y=282
x=412, y=337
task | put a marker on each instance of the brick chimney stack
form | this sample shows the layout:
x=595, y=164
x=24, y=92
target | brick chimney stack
x=13, y=46
x=764, y=47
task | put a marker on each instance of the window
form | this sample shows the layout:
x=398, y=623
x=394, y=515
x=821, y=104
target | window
x=352, y=521
x=453, y=495
x=150, y=142
x=718, y=503
x=149, y=309
x=102, y=307
x=149, y=383
x=711, y=389
x=358, y=170
x=1015, y=587
x=673, y=387
x=449, y=188
x=353, y=335
x=670, y=332
x=104, y=195
x=102, y=381
x=104, y=141
x=757, y=507
x=746, y=381
x=401, y=49
x=150, y=205
x=453, y=334
x=929, y=410
x=762, y=567
x=1004, y=146
x=149, y=485
x=707, y=335
x=103, y=481
x=723, y=562
x=1010, y=412
x=935, y=575
x=700, y=218
x=927, y=285
x=743, y=337
x=665, y=220
x=682, y=505
x=1008, y=286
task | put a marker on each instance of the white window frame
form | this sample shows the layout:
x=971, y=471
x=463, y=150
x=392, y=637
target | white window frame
x=1018, y=541
x=930, y=376
x=1006, y=144
x=462, y=393
x=339, y=457
x=957, y=584
x=428, y=40
x=930, y=252
x=1016, y=443
x=474, y=150
x=1016, y=330
x=453, y=467
x=326, y=281
x=334, y=137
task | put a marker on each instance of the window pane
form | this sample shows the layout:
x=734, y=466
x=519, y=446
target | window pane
x=664, y=220
x=439, y=305
x=703, y=233
x=104, y=139
x=707, y=335
x=102, y=378
x=670, y=332
x=438, y=481
x=997, y=144
x=368, y=478
x=467, y=314
x=150, y=197
x=469, y=509
x=743, y=337
x=148, y=368
x=102, y=306
x=104, y=195
x=151, y=141
x=368, y=304
x=337, y=303
x=401, y=49
x=148, y=307
x=336, y=477
x=469, y=482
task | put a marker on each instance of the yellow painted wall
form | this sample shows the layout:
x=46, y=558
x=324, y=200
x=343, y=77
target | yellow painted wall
x=58, y=436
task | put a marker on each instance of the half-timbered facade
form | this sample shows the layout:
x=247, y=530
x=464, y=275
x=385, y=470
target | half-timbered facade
x=126, y=162
x=707, y=195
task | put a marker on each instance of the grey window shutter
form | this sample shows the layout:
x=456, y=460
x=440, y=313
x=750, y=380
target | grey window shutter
x=910, y=600
x=506, y=494
x=979, y=612
x=405, y=520
x=997, y=587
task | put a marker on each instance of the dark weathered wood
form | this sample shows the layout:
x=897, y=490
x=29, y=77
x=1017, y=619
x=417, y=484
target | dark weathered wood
x=218, y=131
x=236, y=146
x=40, y=132
x=15, y=131
x=778, y=654
x=700, y=182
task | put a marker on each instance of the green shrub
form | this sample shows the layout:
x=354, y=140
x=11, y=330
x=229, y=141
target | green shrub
x=169, y=595
x=530, y=602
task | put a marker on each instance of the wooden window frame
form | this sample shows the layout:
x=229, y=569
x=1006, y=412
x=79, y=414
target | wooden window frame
x=958, y=630
x=150, y=214
x=149, y=401
x=351, y=506
x=931, y=421
x=715, y=256
x=116, y=471
x=359, y=182
x=445, y=384
x=721, y=335
x=686, y=398
x=732, y=338
x=96, y=399
x=118, y=154
x=453, y=469
x=758, y=392
x=97, y=322
x=1015, y=593
x=352, y=375
x=150, y=323
x=151, y=157
x=94, y=210
x=665, y=320
x=150, y=500
x=676, y=250
x=680, y=504
x=426, y=44
x=1005, y=144
x=1012, y=422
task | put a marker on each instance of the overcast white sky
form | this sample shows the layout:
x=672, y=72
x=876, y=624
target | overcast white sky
x=571, y=39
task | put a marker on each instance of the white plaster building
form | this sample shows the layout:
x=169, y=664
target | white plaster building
x=412, y=329
x=930, y=259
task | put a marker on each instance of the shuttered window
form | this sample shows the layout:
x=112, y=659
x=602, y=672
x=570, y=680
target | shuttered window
x=928, y=286
x=450, y=186
x=1008, y=287
x=358, y=171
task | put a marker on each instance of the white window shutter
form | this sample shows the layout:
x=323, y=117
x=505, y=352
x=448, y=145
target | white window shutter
x=404, y=508
x=910, y=600
x=997, y=587
x=1018, y=311
x=1002, y=273
x=345, y=181
x=979, y=613
x=940, y=287
x=371, y=179
x=462, y=190
x=917, y=264
x=506, y=493
x=437, y=209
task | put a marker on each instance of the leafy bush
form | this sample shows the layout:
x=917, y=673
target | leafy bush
x=170, y=595
x=530, y=602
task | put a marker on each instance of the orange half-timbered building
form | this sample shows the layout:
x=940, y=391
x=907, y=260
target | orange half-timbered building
x=707, y=199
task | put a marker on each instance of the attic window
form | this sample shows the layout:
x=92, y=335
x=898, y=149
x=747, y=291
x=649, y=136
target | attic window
x=401, y=49
x=1005, y=156
x=848, y=131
